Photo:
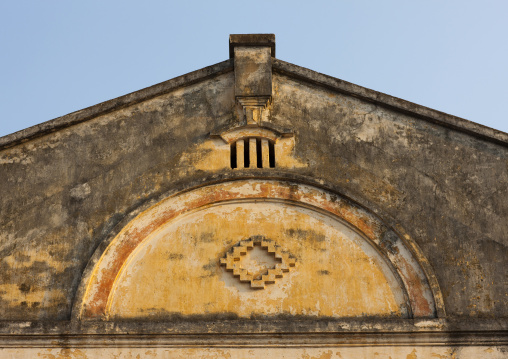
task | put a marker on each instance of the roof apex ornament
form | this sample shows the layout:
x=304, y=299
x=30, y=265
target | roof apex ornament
x=253, y=40
x=252, y=55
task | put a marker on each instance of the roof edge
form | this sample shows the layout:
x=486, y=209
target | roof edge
x=394, y=103
x=279, y=66
x=102, y=108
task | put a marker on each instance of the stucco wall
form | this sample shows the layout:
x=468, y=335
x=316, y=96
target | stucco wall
x=446, y=188
x=63, y=193
x=404, y=352
x=66, y=194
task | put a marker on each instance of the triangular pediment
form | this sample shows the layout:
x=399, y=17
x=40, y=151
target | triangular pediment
x=253, y=208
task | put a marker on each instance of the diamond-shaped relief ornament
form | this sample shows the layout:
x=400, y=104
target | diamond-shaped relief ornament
x=257, y=274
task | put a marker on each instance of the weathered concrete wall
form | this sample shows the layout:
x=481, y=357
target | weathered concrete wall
x=61, y=194
x=403, y=352
x=67, y=198
x=446, y=188
x=336, y=259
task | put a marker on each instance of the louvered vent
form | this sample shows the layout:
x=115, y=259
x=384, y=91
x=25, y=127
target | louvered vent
x=253, y=152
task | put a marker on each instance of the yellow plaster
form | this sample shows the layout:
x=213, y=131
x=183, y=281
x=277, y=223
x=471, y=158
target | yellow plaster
x=214, y=154
x=177, y=268
x=331, y=352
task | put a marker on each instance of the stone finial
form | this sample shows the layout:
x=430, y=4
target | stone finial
x=251, y=40
x=252, y=54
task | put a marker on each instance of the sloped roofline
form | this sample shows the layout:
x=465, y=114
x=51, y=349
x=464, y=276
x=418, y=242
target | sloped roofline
x=391, y=102
x=102, y=108
x=279, y=66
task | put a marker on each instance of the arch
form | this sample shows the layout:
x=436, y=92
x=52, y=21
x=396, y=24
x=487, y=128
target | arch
x=238, y=133
x=418, y=283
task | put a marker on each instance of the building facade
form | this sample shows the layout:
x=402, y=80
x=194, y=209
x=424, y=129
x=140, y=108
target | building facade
x=254, y=209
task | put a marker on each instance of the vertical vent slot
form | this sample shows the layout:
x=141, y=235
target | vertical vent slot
x=246, y=153
x=233, y=155
x=271, y=153
x=259, y=156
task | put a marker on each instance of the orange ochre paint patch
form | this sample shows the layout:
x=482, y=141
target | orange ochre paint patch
x=106, y=271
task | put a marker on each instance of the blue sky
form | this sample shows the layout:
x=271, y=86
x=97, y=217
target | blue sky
x=61, y=56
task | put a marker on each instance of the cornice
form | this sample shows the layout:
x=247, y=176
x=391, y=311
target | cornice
x=115, y=104
x=391, y=102
x=255, y=333
x=280, y=67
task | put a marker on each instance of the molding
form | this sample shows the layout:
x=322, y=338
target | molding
x=394, y=103
x=255, y=333
x=237, y=133
x=303, y=340
x=130, y=99
x=251, y=40
x=279, y=66
x=234, y=132
x=356, y=198
x=254, y=101
x=425, y=300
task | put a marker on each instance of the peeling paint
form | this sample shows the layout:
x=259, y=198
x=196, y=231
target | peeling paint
x=415, y=202
x=391, y=352
x=153, y=220
x=360, y=283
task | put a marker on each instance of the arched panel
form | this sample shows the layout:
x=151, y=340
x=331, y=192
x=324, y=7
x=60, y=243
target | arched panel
x=173, y=259
x=177, y=271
